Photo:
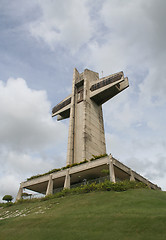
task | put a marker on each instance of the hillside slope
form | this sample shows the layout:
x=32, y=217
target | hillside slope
x=133, y=214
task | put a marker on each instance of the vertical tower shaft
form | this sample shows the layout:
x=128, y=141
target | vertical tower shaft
x=86, y=129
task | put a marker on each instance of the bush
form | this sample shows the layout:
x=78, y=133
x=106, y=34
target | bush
x=2, y=205
x=57, y=170
x=28, y=200
x=7, y=198
x=94, y=187
x=97, y=157
x=68, y=166
x=105, y=171
x=8, y=204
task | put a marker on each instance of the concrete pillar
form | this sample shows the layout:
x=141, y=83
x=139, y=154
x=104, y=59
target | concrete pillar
x=111, y=169
x=86, y=128
x=91, y=120
x=67, y=180
x=19, y=194
x=132, y=178
x=71, y=136
x=50, y=186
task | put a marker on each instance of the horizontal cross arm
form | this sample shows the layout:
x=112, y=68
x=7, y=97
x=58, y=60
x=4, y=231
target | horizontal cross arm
x=108, y=87
x=62, y=110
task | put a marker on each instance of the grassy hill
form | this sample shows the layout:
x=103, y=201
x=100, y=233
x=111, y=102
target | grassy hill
x=133, y=214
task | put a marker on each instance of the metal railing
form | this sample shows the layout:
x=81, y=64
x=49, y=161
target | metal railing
x=56, y=190
x=89, y=181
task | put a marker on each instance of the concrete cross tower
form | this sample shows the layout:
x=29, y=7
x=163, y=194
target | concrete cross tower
x=86, y=136
x=84, y=107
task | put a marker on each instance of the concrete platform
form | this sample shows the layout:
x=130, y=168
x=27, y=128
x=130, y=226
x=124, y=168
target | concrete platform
x=91, y=170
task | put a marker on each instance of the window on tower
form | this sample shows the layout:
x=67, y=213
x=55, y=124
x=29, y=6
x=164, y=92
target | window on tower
x=80, y=94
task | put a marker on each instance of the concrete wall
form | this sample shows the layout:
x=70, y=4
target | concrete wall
x=86, y=129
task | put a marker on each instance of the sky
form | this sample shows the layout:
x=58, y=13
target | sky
x=40, y=44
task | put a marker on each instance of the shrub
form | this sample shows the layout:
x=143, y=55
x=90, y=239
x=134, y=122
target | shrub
x=104, y=186
x=68, y=166
x=92, y=187
x=44, y=174
x=8, y=204
x=85, y=161
x=57, y=169
x=97, y=157
x=105, y=171
x=28, y=200
x=7, y=198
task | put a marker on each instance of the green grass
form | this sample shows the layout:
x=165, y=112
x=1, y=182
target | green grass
x=133, y=214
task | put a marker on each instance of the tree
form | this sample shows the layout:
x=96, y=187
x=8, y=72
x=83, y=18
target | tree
x=7, y=198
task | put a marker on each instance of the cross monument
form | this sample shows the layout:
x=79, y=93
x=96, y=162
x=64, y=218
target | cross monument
x=86, y=135
x=84, y=108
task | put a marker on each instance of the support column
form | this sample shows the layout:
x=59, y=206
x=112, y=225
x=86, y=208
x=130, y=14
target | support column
x=71, y=135
x=19, y=194
x=50, y=186
x=132, y=178
x=111, y=169
x=67, y=180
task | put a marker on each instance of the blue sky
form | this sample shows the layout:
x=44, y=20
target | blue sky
x=40, y=44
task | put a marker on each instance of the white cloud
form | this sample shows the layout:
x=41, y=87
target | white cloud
x=9, y=185
x=144, y=153
x=16, y=167
x=133, y=41
x=23, y=164
x=29, y=136
x=25, y=121
x=63, y=22
x=154, y=86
